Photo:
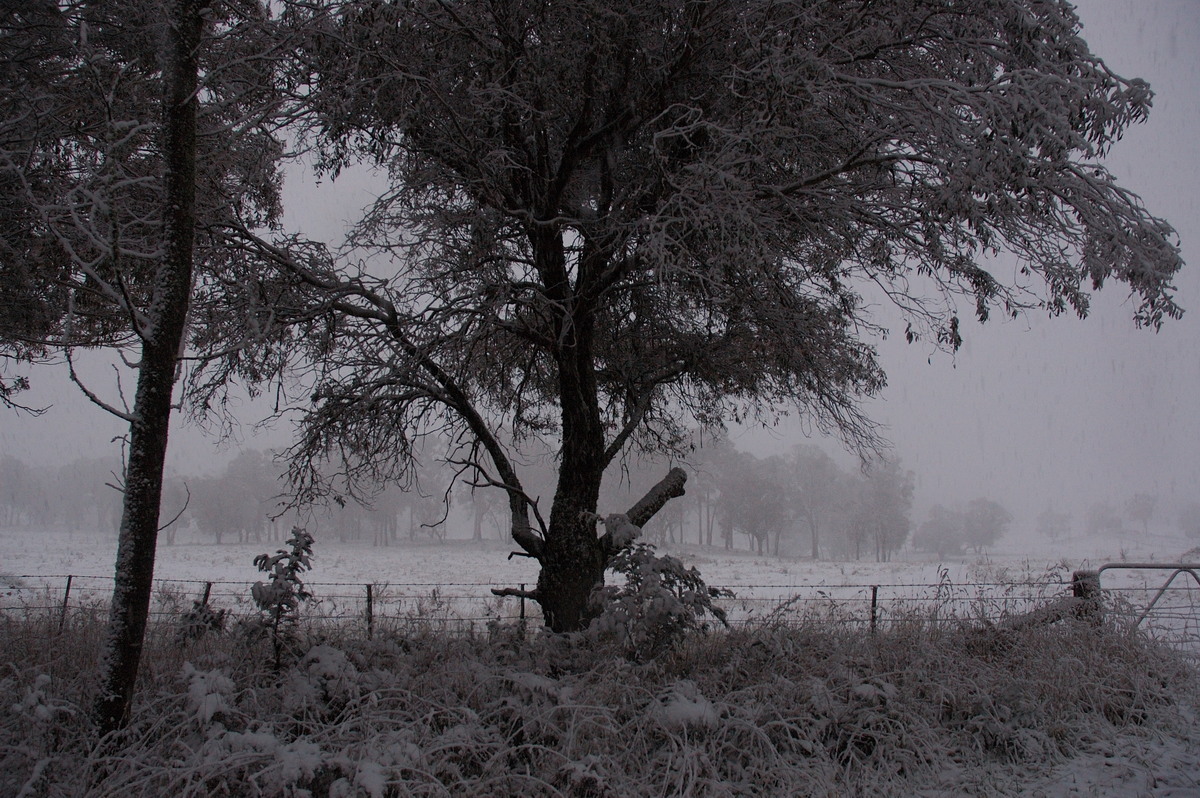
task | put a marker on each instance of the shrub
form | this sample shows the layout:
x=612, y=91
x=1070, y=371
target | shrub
x=659, y=602
x=279, y=599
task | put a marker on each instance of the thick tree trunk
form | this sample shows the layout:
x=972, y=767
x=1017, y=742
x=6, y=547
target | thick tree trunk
x=156, y=375
x=573, y=560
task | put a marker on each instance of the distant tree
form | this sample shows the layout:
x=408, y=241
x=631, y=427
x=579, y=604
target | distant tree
x=1140, y=509
x=709, y=461
x=1189, y=519
x=1053, y=525
x=815, y=485
x=85, y=493
x=984, y=522
x=942, y=533
x=878, y=507
x=240, y=501
x=754, y=500
x=1103, y=518
x=218, y=508
x=17, y=488
x=487, y=507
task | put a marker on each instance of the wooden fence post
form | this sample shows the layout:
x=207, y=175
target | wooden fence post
x=62, y=618
x=1085, y=585
x=874, y=606
x=370, y=612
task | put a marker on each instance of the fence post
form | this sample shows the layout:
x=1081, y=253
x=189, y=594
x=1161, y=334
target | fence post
x=207, y=593
x=370, y=612
x=874, y=606
x=62, y=618
x=522, y=601
x=1085, y=585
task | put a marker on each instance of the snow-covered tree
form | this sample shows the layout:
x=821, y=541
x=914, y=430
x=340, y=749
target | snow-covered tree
x=815, y=483
x=941, y=533
x=607, y=221
x=984, y=522
x=131, y=133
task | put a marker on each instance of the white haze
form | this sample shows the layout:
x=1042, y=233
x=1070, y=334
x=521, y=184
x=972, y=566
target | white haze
x=1032, y=412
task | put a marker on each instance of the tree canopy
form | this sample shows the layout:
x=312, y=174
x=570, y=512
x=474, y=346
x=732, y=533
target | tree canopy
x=607, y=221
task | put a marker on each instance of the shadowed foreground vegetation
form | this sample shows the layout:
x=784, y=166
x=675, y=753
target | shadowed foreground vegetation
x=767, y=710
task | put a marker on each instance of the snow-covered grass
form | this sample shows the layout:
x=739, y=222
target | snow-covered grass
x=939, y=702
x=762, y=709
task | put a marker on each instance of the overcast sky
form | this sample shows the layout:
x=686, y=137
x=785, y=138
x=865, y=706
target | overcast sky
x=1030, y=412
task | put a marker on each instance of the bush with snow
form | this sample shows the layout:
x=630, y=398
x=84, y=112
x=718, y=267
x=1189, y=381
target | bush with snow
x=658, y=603
x=279, y=599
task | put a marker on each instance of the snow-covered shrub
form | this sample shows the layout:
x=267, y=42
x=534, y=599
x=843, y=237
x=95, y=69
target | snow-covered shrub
x=322, y=683
x=199, y=621
x=208, y=694
x=38, y=706
x=682, y=706
x=659, y=602
x=280, y=598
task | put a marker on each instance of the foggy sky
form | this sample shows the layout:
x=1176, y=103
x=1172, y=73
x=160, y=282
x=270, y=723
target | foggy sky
x=1031, y=412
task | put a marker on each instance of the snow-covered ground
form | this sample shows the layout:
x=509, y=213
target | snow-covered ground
x=1016, y=576
x=44, y=552
x=1003, y=581
x=1135, y=764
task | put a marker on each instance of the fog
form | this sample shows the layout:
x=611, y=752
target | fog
x=1033, y=412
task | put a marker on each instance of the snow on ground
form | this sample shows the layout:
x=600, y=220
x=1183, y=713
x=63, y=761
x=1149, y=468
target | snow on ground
x=1003, y=581
x=43, y=552
x=1136, y=764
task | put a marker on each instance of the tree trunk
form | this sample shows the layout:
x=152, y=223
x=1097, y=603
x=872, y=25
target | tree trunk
x=156, y=375
x=573, y=561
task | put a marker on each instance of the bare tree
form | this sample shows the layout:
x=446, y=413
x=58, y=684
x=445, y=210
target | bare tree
x=607, y=220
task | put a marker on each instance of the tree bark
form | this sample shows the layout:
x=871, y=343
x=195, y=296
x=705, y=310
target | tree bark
x=573, y=560
x=156, y=374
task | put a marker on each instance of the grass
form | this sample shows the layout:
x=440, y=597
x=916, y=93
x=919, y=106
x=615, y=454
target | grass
x=801, y=709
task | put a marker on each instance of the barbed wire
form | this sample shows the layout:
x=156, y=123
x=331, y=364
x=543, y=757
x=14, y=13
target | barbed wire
x=459, y=602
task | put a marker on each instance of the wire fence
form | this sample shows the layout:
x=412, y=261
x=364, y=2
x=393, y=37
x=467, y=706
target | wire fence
x=1167, y=612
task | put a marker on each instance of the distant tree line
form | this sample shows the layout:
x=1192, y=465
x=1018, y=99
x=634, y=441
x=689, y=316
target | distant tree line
x=802, y=503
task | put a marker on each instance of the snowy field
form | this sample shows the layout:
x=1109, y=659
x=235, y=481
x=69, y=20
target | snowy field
x=453, y=579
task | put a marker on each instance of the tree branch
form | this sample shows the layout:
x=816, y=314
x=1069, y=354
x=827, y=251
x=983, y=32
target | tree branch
x=669, y=487
x=640, y=514
x=516, y=592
